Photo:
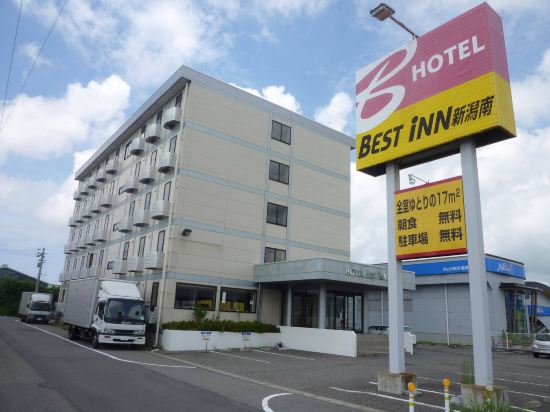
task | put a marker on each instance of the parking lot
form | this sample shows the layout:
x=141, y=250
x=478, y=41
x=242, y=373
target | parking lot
x=354, y=380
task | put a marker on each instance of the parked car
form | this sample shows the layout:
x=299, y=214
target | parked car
x=541, y=345
x=383, y=330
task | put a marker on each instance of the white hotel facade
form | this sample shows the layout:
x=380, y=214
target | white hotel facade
x=211, y=196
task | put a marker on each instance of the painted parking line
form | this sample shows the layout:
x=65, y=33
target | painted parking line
x=265, y=401
x=237, y=356
x=514, y=381
x=529, y=394
x=418, y=390
x=386, y=397
x=281, y=354
x=107, y=354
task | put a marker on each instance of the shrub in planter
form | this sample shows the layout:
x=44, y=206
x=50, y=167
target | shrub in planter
x=216, y=325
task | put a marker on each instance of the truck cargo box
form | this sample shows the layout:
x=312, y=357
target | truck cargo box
x=80, y=302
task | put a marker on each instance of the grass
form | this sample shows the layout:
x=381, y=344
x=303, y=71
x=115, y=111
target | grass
x=222, y=326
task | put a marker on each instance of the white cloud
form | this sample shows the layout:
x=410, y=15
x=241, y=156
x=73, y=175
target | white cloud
x=56, y=209
x=531, y=95
x=40, y=127
x=337, y=113
x=277, y=95
x=288, y=8
x=30, y=50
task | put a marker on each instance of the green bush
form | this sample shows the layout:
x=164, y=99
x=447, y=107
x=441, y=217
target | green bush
x=217, y=325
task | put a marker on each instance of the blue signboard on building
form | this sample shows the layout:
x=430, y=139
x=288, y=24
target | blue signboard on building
x=541, y=310
x=461, y=266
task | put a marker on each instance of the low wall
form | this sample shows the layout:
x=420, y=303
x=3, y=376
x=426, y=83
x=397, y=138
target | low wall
x=183, y=340
x=335, y=342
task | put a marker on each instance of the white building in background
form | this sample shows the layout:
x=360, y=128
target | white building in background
x=203, y=185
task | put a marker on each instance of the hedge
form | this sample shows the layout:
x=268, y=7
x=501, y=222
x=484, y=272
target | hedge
x=222, y=326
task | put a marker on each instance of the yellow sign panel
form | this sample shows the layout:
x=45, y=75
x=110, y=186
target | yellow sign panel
x=430, y=220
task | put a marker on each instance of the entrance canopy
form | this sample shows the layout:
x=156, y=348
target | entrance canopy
x=327, y=270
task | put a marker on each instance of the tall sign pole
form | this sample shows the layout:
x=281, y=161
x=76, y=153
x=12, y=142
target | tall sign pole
x=477, y=274
x=395, y=277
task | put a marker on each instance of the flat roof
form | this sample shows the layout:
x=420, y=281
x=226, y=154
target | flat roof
x=176, y=82
x=325, y=269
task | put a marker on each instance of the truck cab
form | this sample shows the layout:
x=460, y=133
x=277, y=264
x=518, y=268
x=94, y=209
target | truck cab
x=118, y=320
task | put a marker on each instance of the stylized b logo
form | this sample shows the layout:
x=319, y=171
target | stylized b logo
x=375, y=104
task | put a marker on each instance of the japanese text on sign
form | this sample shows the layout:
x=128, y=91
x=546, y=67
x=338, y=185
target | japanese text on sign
x=429, y=220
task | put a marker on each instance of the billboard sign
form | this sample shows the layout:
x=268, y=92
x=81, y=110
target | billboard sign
x=448, y=84
x=456, y=267
x=430, y=220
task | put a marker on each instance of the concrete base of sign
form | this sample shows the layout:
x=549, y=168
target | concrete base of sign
x=477, y=395
x=395, y=383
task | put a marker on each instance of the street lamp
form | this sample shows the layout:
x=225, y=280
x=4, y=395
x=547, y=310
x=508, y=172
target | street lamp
x=414, y=178
x=383, y=11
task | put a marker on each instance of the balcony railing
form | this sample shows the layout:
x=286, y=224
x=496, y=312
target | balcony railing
x=135, y=264
x=167, y=162
x=153, y=133
x=160, y=209
x=137, y=147
x=154, y=260
x=101, y=176
x=147, y=175
x=106, y=200
x=125, y=225
x=100, y=235
x=141, y=218
x=112, y=167
x=131, y=185
x=172, y=117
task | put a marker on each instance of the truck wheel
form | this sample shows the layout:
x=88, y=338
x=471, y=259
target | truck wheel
x=95, y=341
x=73, y=333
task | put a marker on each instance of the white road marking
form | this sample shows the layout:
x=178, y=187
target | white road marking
x=281, y=354
x=387, y=397
x=106, y=354
x=265, y=401
x=510, y=380
x=529, y=394
x=237, y=356
x=419, y=390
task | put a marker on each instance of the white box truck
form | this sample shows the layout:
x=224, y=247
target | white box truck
x=35, y=307
x=105, y=311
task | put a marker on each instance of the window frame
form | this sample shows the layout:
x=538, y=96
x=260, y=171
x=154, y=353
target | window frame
x=161, y=234
x=125, y=250
x=277, y=133
x=127, y=153
x=275, y=252
x=253, y=291
x=141, y=246
x=278, y=221
x=278, y=178
x=213, y=290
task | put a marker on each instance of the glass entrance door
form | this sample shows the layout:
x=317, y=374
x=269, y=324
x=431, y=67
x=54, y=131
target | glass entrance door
x=344, y=311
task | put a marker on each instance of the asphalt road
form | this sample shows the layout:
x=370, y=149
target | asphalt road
x=40, y=370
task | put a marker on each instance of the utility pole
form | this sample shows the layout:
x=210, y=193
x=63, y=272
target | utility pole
x=41, y=255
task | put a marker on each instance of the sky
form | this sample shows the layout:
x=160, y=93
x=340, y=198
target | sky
x=104, y=58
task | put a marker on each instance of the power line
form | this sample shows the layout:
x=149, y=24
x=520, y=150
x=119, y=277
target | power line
x=41, y=255
x=11, y=61
x=34, y=64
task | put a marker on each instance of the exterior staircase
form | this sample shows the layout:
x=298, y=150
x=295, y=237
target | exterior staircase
x=372, y=345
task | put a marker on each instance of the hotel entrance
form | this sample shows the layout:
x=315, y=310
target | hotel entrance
x=344, y=311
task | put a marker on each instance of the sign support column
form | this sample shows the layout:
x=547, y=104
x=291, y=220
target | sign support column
x=395, y=277
x=479, y=307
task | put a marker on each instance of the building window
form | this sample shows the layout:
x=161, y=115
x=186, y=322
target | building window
x=106, y=222
x=110, y=264
x=276, y=214
x=238, y=300
x=141, y=247
x=125, y=250
x=159, y=117
x=115, y=226
x=178, y=100
x=131, y=209
x=127, y=150
x=160, y=241
x=172, y=146
x=190, y=296
x=278, y=172
x=100, y=260
x=143, y=128
x=280, y=132
x=90, y=261
x=166, y=191
x=147, y=202
x=138, y=168
x=274, y=255
x=121, y=189
x=154, y=158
